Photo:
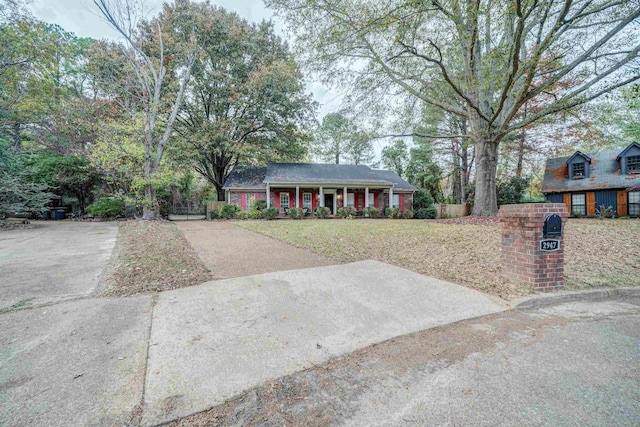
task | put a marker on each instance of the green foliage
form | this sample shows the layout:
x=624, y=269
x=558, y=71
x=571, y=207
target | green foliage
x=408, y=214
x=426, y=213
x=18, y=193
x=395, y=157
x=242, y=215
x=270, y=213
x=372, y=212
x=214, y=214
x=229, y=211
x=261, y=205
x=254, y=214
x=422, y=199
x=322, y=212
x=422, y=170
x=604, y=212
x=246, y=102
x=393, y=213
x=512, y=191
x=296, y=213
x=575, y=214
x=338, y=140
x=346, y=212
x=107, y=207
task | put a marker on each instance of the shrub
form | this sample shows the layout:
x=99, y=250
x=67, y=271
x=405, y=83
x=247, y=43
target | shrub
x=322, y=212
x=372, y=212
x=261, y=205
x=254, y=214
x=346, y=212
x=296, y=213
x=241, y=215
x=393, y=213
x=426, y=213
x=106, y=207
x=270, y=213
x=603, y=212
x=214, y=214
x=408, y=214
x=422, y=199
x=576, y=214
x=229, y=211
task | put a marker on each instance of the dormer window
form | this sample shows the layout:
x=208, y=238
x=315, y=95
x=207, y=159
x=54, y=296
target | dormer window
x=577, y=170
x=633, y=164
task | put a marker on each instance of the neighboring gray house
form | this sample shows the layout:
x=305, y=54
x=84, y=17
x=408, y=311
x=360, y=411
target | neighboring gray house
x=308, y=185
x=584, y=182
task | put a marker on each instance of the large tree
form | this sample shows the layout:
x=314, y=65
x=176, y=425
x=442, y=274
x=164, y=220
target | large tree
x=246, y=103
x=152, y=79
x=481, y=60
x=339, y=140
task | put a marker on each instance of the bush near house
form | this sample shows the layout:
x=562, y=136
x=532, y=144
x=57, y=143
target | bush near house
x=270, y=213
x=393, y=213
x=426, y=213
x=229, y=211
x=322, y=212
x=372, y=212
x=107, y=207
x=347, y=212
x=296, y=213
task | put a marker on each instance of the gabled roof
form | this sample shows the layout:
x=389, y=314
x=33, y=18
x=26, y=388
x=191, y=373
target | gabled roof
x=604, y=174
x=623, y=152
x=315, y=174
x=578, y=154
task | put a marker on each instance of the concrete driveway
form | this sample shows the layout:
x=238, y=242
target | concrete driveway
x=73, y=359
x=57, y=261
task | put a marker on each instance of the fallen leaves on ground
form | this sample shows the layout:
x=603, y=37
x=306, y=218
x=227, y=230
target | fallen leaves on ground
x=467, y=250
x=153, y=256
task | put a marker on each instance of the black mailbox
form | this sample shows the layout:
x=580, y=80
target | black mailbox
x=552, y=226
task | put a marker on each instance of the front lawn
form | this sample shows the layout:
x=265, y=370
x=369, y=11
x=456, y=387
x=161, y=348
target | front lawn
x=597, y=252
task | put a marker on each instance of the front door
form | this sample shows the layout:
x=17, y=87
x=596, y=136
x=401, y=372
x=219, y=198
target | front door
x=328, y=202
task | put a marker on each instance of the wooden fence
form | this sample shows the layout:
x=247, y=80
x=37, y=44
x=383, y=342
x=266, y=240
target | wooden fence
x=451, y=211
x=214, y=206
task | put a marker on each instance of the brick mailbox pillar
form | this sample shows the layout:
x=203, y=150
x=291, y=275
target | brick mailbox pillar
x=527, y=255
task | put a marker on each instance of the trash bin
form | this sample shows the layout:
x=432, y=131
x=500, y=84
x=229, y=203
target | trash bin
x=46, y=214
x=59, y=214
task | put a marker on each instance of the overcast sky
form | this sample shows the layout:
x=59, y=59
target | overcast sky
x=81, y=17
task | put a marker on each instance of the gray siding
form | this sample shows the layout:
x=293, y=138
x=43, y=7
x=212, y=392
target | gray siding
x=555, y=198
x=607, y=198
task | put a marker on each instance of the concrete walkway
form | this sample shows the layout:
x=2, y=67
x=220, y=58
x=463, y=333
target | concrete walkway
x=211, y=342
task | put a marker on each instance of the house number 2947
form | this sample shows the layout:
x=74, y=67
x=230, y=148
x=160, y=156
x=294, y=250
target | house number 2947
x=549, y=245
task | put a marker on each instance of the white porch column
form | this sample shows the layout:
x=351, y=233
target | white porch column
x=366, y=197
x=297, y=196
x=321, y=197
x=268, y=196
x=227, y=197
x=344, y=197
x=390, y=197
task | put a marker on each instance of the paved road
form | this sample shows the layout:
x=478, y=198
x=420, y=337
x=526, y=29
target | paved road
x=575, y=364
x=57, y=261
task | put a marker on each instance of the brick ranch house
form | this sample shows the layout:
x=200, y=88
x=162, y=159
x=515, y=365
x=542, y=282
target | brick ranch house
x=307, y=185
x=585, y=182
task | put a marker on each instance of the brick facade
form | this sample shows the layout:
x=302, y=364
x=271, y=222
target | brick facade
x=521, y=257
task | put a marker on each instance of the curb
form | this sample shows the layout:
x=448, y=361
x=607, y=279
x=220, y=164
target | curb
x=596, y=295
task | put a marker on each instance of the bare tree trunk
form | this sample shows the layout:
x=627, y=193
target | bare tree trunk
x=485, y=201
x=150, y=208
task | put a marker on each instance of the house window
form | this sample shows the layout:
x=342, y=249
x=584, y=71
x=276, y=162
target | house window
x=350, y=199
x=396, y=201
x=372, y=200
x=633, y=164
x=306, y=200
x=578, y=204
x=634, y=203
x=577, y=170
x=284, y=201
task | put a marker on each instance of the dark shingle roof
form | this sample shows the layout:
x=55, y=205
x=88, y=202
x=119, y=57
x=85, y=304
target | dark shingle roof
x=604, y=174
x=309, y=173
x=251, y=178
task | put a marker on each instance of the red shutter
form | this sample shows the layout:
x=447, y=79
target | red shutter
x=314, y=203
x=292, y=199
x=243, y=201
x=277, y=206
x=375, y=200
x=401, y=201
